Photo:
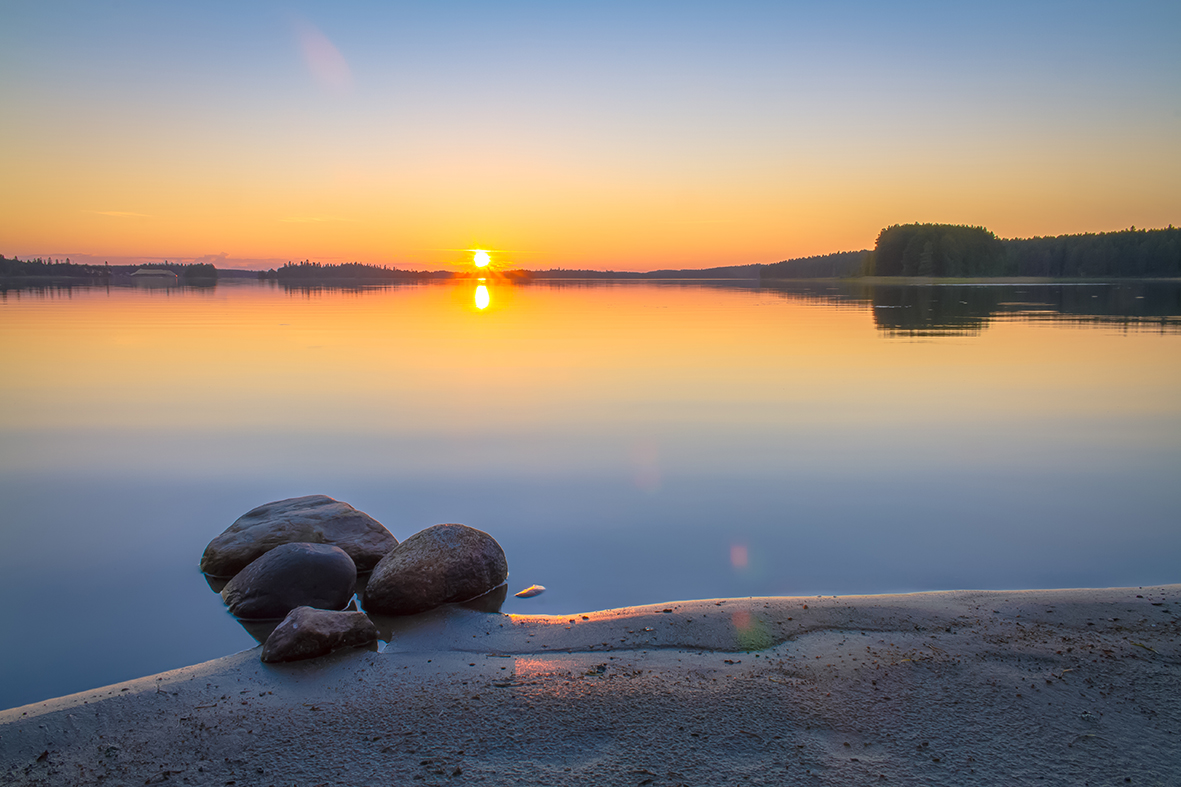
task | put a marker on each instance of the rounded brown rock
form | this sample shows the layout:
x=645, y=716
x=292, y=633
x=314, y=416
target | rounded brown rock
x=308, y=633
x=313, y=519
x=290, y=576
x=442, y=564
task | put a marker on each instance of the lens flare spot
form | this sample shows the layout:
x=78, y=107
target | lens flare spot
x=481, y=258
x=482, y=297
x=742, y=621
x=750, y=632
x=739, y=556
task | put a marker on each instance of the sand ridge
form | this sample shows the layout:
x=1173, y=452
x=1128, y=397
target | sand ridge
x=968, y=687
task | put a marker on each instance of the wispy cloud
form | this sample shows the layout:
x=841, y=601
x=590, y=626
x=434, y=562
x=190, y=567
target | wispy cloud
x=120, y=214
x=311, y=219
x=323, y=60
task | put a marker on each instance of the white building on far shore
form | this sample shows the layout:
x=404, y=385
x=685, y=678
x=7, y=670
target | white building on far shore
x=154, y=277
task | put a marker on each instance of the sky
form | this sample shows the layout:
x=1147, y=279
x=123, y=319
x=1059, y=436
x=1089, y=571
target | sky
x=624, y=136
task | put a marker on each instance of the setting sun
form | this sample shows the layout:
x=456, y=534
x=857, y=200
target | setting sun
x=481, y=258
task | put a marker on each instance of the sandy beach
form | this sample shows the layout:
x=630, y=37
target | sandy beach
x=1069, y=687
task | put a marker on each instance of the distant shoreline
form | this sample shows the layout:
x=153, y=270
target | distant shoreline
x=916, y=254
x=524, y=277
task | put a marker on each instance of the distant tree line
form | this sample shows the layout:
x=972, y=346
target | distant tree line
x=840, y=264
x=935, y=250
x=725, y=272
x=307, y=271
x=950, y=250
x=64, y=270
x=49, y=269
x=572, y=273
x=197, y=272
x=1129, y=252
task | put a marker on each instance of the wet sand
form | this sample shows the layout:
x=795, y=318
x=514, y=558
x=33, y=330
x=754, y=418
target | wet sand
x=1067, y=687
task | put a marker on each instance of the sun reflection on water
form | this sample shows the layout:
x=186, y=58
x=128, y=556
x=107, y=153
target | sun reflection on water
x=482, y=297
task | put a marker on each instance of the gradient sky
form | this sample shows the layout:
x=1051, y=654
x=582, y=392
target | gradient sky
x=627, y=135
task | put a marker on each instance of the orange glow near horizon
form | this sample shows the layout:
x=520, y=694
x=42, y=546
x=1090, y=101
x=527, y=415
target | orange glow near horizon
x=789, y=135
x=98, y=210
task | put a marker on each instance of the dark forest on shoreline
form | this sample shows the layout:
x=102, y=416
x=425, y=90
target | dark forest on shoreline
x=944, y=250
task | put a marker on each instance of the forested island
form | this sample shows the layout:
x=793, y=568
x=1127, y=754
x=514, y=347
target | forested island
x=935, y=251
x=308, y=272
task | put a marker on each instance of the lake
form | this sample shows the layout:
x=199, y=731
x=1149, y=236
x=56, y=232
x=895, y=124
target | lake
x=627, y=443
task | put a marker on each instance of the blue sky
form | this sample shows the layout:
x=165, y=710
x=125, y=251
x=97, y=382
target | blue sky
x=605, y=135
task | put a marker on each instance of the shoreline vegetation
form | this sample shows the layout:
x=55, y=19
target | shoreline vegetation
x=958, y=687
x=903, y=254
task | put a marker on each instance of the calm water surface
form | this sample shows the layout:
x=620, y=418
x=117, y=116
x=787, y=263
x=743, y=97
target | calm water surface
x=626, y=444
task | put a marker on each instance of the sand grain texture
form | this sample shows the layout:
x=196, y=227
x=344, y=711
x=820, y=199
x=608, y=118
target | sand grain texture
x=1069, y=687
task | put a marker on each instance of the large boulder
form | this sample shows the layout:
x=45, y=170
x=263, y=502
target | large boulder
x=307, y=633
x=290, y=576
x=440, y=565
x=314, y=519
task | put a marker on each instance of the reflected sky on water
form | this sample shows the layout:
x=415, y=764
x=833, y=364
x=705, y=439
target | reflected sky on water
x=626, y=443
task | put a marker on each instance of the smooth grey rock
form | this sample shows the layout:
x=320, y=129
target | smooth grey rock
x=314, y=519
x=440, y=565
x=308, y=633
x=290, y=576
